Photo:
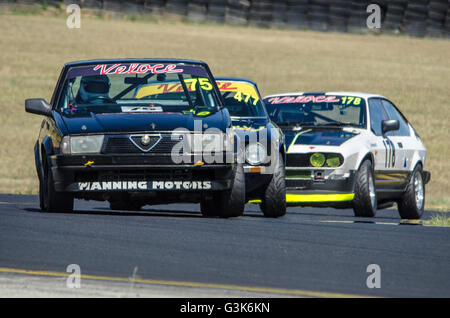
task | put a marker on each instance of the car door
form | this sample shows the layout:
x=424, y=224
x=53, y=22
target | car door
x=401, y=139
x=378, y=143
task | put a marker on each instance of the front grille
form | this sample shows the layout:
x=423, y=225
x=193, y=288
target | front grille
x=298, y=160
x=120, y=145
x=100, y=160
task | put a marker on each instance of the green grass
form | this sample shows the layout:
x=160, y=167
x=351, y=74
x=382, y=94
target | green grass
x=414, y=73
x=442, y=219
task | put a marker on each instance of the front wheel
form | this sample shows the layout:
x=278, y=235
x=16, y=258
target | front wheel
x=365, y=201
x=229, y=203
x=411, y=205
x=274, y=201
x=52, y=201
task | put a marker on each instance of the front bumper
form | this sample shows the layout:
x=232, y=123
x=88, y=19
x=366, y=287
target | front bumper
x=319, y=187
x=136, y=173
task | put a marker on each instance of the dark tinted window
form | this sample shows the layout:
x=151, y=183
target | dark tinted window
x=377, y=115
x=316, y=110
x=394, y=114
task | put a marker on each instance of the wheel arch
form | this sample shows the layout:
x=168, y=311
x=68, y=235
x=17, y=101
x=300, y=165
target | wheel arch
x=367, y=156
x=282, y=151
x=46, y=150
x=37, y=160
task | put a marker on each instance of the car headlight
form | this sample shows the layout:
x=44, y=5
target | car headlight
x=82, y=144
x=255, y=153
x=334, y=160
x=317, y=159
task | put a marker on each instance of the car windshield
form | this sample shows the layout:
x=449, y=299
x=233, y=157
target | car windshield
x=241, y=98
x=135, y=87
x=317, y=110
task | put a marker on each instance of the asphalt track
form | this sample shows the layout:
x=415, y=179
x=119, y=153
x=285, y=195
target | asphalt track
x=309, y=252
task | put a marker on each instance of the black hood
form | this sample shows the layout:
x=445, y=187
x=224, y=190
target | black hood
x=140, y=122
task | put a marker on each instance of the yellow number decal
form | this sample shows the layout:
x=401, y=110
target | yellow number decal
x=238, y=96
x=349, y=100
x=205, y=84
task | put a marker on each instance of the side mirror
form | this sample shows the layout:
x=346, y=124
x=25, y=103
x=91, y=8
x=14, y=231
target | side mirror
x=38, y=106
x=389, y=125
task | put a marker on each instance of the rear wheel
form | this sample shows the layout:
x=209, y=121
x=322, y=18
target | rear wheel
x=274, y=201
x=53, y=201
x=411, y=205
x=229, y=203
x=365, y=201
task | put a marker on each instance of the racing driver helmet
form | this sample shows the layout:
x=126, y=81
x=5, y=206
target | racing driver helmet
x=94, y=89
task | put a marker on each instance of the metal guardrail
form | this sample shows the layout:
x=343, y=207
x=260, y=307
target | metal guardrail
x=414, y=17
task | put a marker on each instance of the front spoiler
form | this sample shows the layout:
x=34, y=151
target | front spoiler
x=142, y=186
x=337, y=200
x=319, y=198
x=338, y=193
x=341, y=185
x=71, y=175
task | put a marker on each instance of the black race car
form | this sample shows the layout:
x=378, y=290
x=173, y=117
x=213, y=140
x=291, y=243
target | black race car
x=136, y=132
x=261, y=141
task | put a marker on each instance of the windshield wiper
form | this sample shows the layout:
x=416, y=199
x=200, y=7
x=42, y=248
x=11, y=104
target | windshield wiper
x=297, y=123
x=337, y=123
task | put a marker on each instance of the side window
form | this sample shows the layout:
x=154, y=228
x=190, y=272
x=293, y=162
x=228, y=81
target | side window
x=394, y=114
x=377, y=115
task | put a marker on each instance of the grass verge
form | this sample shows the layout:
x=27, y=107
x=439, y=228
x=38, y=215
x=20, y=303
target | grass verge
x=442, y=219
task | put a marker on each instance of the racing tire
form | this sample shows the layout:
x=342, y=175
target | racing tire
x=273, y=203
x=229, y=203
x=365, y=201
x=41, y=194
x=52, y=201
x=124, y=205
x=412, y=203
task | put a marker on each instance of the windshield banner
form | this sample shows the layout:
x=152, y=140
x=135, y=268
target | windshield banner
x=136, y=68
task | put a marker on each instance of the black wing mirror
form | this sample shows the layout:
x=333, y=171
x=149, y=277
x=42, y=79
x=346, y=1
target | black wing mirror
x=389, y=125
x=38, y=106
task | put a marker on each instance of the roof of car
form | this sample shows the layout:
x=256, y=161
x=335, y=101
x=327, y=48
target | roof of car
x=234, y=79
x=111, y=61
x=356, y=94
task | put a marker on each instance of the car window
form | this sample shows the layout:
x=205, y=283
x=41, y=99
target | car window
x=241, y=99
x=377, y=115
x=395, y=115
x=317, y=110
x=136, y=87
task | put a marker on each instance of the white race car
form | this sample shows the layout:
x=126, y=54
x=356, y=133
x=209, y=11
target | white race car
x=350, y=150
